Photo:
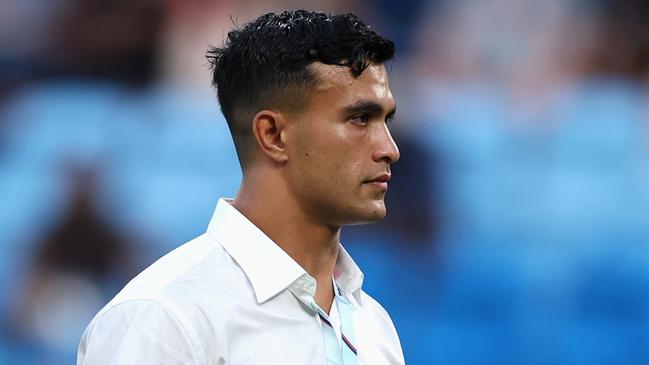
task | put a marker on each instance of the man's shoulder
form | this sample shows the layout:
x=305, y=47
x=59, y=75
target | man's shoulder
x=184, y=298
x=376, y=324
x=193, y=275
x=169, y=269
x=374, y=308
x=377, y=317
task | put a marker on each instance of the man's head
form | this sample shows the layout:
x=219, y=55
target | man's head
x=307, y=94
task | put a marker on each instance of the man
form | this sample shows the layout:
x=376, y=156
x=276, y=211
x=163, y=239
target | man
x=307, y=100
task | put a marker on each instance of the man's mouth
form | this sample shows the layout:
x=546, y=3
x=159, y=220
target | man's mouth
x=380, y=181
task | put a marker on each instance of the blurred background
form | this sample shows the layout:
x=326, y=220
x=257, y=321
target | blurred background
x=518, y=228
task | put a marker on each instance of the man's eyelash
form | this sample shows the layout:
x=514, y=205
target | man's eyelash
x=362, y=117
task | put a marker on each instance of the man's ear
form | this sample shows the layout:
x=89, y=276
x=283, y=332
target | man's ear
x=269, y=129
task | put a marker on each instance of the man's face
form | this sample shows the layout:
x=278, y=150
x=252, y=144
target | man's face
x=340, y=147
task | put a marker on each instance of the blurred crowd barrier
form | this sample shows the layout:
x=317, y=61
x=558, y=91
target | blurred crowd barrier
x=518, y=224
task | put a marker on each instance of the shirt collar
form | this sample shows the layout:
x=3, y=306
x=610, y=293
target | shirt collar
x=269, y=268
x=348, y=275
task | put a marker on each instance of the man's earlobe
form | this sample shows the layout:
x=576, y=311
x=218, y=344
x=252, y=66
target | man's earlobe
x=268, y=128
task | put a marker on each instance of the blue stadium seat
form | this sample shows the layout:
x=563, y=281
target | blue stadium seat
x=53, y=124
x=601, y=180
x=611, y=312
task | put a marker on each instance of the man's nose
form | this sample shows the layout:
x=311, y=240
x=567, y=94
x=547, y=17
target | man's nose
x=386, y=149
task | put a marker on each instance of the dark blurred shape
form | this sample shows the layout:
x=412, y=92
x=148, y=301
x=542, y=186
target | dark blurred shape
x=622, y=40
x=398, y=21
x=413, y=187
x=116, y=40
x=83, y=241
x=76, y=268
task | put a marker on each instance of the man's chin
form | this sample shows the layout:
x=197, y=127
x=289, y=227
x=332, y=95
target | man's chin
x=371, y=214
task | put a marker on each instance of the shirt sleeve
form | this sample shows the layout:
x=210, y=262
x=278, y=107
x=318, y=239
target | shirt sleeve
x=135, y=333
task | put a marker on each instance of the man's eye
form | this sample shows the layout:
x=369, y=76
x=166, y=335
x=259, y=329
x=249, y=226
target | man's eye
x=362, y=119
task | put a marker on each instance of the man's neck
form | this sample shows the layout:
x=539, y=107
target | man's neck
x=313, y=245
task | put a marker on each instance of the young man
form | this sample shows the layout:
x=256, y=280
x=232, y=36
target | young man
x=307, y=100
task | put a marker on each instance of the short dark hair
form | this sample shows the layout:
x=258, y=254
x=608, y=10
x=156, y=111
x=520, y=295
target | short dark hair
x=265, y=63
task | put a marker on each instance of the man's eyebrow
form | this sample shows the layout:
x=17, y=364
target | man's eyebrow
x=366, y=107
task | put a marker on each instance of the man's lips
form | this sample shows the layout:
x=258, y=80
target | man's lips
x=381, y=178
x=379, y=181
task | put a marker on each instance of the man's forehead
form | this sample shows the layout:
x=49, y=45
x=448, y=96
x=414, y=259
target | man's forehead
x=330, y=76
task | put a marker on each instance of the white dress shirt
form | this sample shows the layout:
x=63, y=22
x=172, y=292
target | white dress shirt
x=231, y=296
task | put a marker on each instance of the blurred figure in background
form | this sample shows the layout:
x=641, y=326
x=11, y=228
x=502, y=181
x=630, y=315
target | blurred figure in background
x=79, y=262
x=116, y=41
x=63, y=63
x=621, y=48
